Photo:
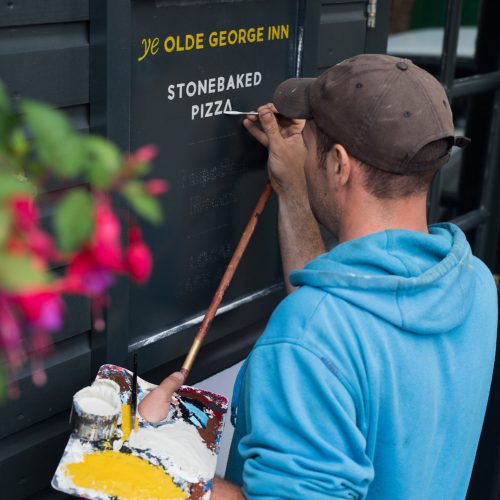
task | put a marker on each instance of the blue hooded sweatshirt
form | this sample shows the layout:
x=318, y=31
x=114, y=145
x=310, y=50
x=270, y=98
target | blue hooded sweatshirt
x=371, y=380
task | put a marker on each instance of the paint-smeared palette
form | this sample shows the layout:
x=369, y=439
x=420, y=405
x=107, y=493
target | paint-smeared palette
x=169, y=460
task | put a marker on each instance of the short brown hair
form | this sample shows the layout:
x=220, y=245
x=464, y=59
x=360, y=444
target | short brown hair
x=387, y=185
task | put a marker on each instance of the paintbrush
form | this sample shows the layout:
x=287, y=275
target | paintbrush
x=238, y=113
x=226, y=279
x=133, y=410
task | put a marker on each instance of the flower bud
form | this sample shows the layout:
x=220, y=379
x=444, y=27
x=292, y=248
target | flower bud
x=144, y=154
x=156, y=187
x=25, y=212
x=106, y=244
x=139, y=261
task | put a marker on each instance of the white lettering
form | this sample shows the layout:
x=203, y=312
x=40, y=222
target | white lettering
x=195, y=111
x=202, y=87
x=220, y=84
x=218, y=109
x=230, y=83
x=208, y=112
x=180, y=86
x=213, y=85
x=210, y=109
x=191, y=89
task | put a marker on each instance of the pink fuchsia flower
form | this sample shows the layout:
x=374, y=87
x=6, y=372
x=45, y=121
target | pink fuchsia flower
x=156, y=187
x=10, y=334
x=105, y=245
x=25, y=212
x=138, y=256
x=86, y=275
x=42, y=310
x=139, y=261
x=41, y=244
x=144, y=154
x=29, y=235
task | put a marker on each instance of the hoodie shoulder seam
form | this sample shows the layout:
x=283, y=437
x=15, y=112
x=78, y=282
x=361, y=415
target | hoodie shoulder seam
x=329, y=365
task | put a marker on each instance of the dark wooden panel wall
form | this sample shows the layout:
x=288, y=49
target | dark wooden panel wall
x=44, y=54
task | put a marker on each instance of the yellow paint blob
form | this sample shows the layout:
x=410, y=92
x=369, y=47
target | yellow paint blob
x=124, y=476
x=126, y=419
x=126, y=413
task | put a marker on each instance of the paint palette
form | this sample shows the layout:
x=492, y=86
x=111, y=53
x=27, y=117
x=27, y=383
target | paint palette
x=172, y=459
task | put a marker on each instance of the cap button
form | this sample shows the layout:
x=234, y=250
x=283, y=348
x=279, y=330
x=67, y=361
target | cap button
x=402, y=66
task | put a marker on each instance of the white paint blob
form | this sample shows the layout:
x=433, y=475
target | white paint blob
x=181, y=445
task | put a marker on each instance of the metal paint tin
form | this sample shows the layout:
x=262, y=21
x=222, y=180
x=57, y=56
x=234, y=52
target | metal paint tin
x=95, y=413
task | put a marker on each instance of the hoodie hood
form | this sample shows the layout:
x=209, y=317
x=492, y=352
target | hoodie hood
x=407, y=278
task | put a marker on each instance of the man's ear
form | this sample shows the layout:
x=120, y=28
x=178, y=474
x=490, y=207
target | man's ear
x=339, y=165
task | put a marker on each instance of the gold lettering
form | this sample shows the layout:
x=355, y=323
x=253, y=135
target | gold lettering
x=200, y=41
x=169, y=44
x=180, y=48
x=251, y=35
x=189, y=40
x=150, y=47
x=212, y=39
x=232, y=37
x=222, y=38
x=154, y=46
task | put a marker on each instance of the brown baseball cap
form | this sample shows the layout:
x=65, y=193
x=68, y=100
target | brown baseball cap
x=384, y=110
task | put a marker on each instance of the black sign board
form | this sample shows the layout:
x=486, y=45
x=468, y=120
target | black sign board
x=190, y=62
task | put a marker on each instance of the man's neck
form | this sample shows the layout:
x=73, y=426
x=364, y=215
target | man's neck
x=369, y=215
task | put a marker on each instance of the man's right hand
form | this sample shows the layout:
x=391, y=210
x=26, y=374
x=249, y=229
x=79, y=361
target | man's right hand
x=299, y=234
x=283, y=139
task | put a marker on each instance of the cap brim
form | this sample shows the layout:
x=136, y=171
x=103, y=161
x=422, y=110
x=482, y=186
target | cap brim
x=291, y=98
x=461, y=141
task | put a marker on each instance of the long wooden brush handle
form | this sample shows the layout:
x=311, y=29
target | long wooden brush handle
x=226, y=279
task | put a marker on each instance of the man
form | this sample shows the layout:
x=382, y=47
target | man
x=372, y=377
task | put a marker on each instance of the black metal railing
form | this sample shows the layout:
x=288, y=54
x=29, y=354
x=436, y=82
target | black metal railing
x=476, y=203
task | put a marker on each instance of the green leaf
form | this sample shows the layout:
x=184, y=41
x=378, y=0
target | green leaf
x=143, y=203
x=5, y=222
x=18, y=272
x=73, y=221
x=142, y=169
x=18, y=143
x=101, y=160
x=56, y=142
x=11, y=185
x=6, y=116
x=34, y=170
